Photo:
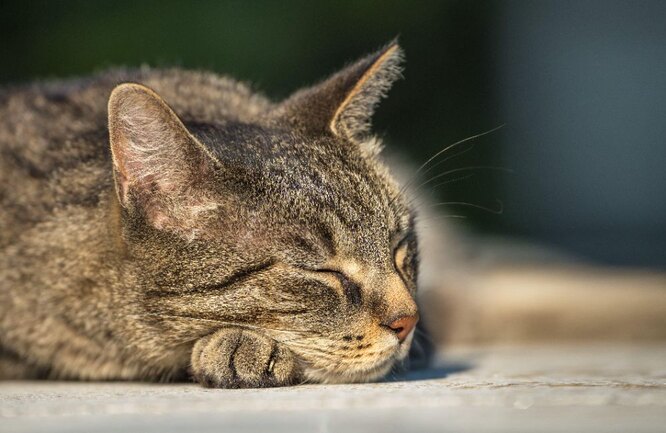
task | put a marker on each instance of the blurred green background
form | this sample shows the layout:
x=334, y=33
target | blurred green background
x=541, y=68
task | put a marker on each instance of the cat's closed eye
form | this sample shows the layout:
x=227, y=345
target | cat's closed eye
x=403, y=259
x=351, y=289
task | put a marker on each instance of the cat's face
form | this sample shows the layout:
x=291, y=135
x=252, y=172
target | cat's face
x=289, y=225
x=342, y=245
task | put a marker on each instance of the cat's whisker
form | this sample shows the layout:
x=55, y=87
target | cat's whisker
x=448, y=158
x=456, y=170
x=414, y=198
x=457, y=143
x=431, y=223
x=456, y=179
x=436, y=155
x=440, y=217
x=474, y=205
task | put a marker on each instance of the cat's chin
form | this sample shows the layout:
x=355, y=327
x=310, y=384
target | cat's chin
x=360, y=375
x=366, y=373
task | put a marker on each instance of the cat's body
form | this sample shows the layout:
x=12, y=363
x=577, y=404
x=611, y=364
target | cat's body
x=244, y=242
x=57, y=213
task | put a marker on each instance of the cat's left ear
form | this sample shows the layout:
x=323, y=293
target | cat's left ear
x=344, y=103
x=160, y=169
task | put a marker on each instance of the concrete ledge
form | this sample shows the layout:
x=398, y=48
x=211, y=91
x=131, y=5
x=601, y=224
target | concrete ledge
x=554, y=388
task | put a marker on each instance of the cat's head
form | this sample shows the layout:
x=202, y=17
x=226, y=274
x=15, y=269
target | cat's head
x=287, y=223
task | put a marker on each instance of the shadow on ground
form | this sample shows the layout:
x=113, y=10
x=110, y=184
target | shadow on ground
x=421, y=364
x=434, y=372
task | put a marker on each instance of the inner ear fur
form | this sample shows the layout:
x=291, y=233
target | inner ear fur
x=158, y=165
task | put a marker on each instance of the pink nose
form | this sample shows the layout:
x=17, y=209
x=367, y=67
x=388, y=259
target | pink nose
x=402, y=326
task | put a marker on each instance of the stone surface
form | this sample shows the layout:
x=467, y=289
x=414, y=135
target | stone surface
x=610, y=388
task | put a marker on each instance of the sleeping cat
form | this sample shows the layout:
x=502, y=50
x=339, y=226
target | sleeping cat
x=160, y=224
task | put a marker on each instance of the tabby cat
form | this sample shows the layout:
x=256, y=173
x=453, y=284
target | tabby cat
x=166, y=224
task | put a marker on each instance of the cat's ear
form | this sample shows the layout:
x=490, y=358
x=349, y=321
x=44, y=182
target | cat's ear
x=158, y=165
x=344, y=103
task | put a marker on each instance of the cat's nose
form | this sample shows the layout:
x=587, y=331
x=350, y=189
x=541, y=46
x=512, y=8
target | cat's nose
x=403, y=325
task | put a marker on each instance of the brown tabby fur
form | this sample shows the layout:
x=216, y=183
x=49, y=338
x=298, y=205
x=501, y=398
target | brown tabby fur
x=193, y=227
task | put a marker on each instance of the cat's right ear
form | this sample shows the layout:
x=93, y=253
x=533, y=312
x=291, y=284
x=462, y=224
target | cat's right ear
x=159, y=167
x=344, y=103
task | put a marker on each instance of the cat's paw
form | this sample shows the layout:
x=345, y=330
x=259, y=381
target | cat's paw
x=241, y=358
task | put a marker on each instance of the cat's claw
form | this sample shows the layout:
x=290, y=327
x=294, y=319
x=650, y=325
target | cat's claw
x=241, y=358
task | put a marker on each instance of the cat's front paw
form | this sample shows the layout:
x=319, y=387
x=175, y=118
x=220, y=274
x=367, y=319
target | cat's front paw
x=241, y=358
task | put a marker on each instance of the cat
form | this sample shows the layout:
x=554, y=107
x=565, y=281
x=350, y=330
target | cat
x=169, y=224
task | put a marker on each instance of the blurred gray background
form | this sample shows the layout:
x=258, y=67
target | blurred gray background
x=579, y=85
